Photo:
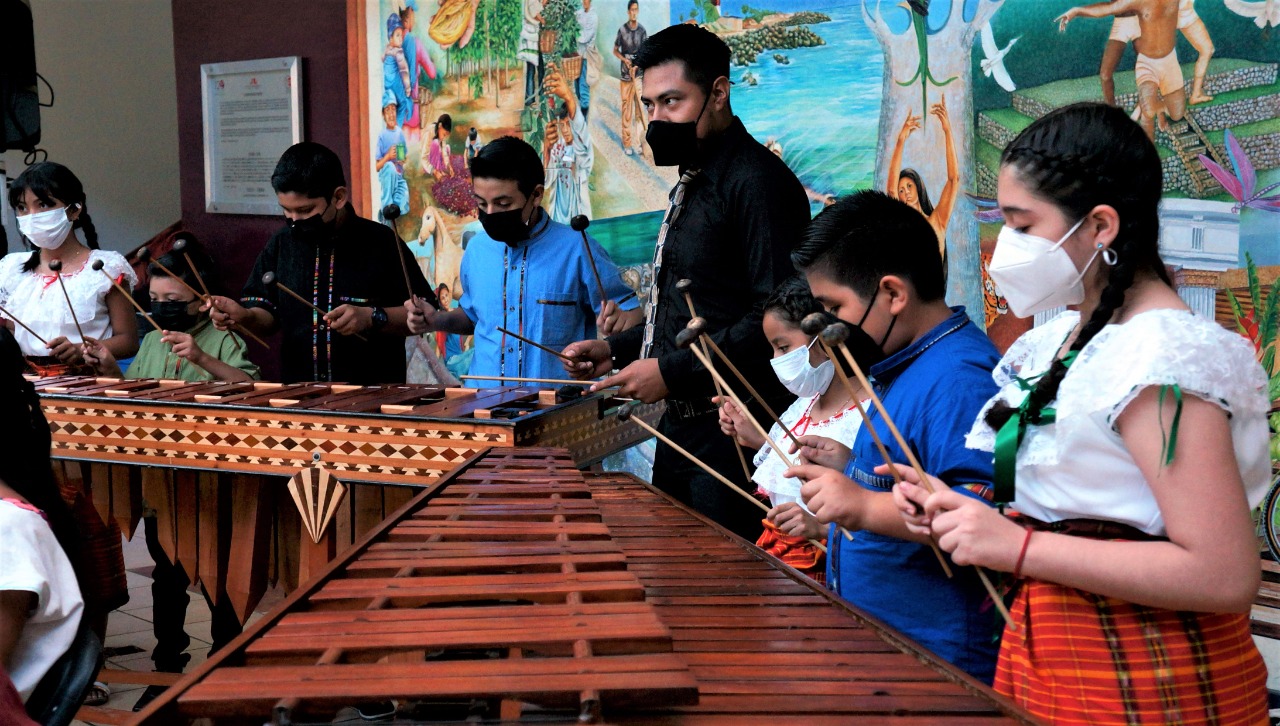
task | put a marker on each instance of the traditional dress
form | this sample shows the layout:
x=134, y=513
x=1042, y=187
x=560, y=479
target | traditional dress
x=795, y=550
x=1082, y=658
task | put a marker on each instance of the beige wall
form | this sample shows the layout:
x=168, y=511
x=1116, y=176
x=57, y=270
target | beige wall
x=115, y=118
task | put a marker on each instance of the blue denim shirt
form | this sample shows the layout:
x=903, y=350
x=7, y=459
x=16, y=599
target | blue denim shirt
x=933, y=389
x=541, y=288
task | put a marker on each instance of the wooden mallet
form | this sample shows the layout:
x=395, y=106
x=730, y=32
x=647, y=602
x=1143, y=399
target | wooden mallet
x=580, y=224
x=55, y=266
x=536, y=344
x=97, y=265
x=624, y=414
x=684, y=286
x=269, y=279
x=180, y=245
x=391, y=213
x=835, y=336
x=15, y=319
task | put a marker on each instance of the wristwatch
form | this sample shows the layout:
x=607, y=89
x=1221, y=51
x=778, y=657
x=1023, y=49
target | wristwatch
x=379, y=318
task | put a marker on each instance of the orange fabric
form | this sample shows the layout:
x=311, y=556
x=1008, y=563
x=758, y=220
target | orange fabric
x=1079, y=658
x=796, y=551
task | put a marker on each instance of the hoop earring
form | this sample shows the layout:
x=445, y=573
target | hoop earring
x=1110, y=257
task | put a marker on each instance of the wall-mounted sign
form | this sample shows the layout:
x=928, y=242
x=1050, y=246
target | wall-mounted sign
x=252, y=113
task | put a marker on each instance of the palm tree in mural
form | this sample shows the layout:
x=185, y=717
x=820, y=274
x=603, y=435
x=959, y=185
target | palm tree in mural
x=924, y=42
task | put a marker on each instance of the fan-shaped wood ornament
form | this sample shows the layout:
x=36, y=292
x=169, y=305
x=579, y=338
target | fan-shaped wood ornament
x=317, y=493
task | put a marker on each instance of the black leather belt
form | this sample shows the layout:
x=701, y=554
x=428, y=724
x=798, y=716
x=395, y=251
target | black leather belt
x=689, y=408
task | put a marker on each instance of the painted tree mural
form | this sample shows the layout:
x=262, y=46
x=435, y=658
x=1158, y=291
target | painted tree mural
x=927, y=52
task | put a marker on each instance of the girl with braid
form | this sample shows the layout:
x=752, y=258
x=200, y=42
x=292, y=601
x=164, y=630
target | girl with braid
x=1131, y=439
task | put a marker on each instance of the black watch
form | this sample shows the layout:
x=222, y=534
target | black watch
x=379, y=318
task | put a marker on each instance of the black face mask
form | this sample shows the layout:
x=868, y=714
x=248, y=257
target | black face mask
x=866, y=351
x=508, y=227
x=173, y=315
x=675, y=143
x=313, y=229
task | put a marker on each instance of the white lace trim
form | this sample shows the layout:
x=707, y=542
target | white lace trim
x=1158, y=347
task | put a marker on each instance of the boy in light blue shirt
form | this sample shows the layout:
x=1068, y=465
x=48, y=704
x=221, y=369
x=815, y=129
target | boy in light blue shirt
x=526, y=274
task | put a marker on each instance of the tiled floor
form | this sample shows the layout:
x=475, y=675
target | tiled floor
x=129, y=637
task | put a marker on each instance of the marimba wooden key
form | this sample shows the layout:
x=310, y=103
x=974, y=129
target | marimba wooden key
x=523, y=590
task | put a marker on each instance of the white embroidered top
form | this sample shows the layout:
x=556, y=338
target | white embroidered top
x=842, y=427
x=36, y=299
x=1079, y=466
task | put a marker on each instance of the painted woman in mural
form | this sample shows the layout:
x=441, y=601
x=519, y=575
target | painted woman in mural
x=437, y=157
x=907, y=186
x=567, y=153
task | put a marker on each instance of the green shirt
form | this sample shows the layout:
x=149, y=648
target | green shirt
x=155, y=359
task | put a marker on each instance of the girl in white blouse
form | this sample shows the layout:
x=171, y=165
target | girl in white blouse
x=50, y=205
x=1131, y=439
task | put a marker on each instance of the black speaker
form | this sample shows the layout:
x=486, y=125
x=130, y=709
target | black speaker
x=19, y=101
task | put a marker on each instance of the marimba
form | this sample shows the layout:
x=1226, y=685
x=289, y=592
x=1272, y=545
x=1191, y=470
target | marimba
x=210, y=457
x=522, y=589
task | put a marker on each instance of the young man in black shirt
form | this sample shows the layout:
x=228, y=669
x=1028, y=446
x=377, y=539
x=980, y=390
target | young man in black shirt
x=342, y=264
x=730, y=226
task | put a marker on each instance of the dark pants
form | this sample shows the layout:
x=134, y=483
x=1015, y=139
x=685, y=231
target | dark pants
x=533, y=75
x=687, y=482
x=169, y=599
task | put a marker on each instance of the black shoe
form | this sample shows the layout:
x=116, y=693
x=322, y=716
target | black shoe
x=150, y=694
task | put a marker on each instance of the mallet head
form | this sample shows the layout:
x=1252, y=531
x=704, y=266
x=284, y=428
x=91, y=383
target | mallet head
x=97, y=265
x=180, y=244
x=624, y=411
x=835, y=334
x=55, y=265
x=143, y=254
x=268, y=278
x=685, y=286
x=391, y=212
x=580, y=223
x=813, y=323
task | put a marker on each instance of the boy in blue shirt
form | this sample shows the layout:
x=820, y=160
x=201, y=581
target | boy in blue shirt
x=526, y=273
x=874, y=263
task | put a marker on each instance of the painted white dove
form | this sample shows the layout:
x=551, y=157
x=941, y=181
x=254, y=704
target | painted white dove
x=993, y=64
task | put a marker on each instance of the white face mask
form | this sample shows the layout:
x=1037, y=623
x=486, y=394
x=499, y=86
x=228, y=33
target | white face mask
x=1035, y=274
x=46, y=230
x=802, y=379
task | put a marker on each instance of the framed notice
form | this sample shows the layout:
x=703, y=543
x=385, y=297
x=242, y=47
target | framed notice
x=252, y=113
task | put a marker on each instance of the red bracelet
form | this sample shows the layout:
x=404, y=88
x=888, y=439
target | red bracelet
x=1017, y=569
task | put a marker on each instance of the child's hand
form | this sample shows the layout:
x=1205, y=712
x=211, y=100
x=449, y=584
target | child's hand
x=419, y=315
x=64, y=350
x=794, y=521
x=974, y=533
x=823, y=451
x=224, y=312
x=910, y=499
x=96, y=355
x=830, y=495
x=734, y=424
x=184, y=346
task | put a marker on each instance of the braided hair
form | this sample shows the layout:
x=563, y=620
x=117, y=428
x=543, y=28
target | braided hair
x=52, y=183
x=25, y=466
x=1077, y=158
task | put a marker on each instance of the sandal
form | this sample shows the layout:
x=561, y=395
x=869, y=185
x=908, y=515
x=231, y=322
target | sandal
x=98, y=694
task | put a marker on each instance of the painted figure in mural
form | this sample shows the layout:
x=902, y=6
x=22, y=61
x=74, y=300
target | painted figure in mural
x=530, y=27
x=589, y=25
x=419, y=62
x=395, y=69
x=1125, y=29
x=1133, y=547
x=730, y=225
x=825, y=200
x=473, y=144
x=1161, y=93
x=629, y=39
x=390, y=156
x=448, y=345
x=437, y=156
x=537, y=280
x=567, y=153
x=907, y=186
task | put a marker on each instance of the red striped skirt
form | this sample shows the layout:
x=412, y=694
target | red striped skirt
x=796, y=551
x=1080, y=658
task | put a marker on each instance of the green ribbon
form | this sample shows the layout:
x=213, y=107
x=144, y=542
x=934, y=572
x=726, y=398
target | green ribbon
x=1169, y=441
x=1009, y=437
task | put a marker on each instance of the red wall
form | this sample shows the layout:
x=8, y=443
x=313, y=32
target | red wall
x=235, y=30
